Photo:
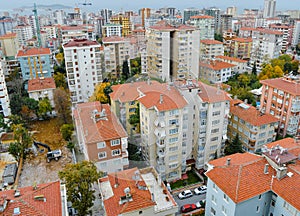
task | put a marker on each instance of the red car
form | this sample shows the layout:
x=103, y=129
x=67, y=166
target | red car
x=188, y=207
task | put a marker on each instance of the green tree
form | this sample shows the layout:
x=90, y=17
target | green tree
x=234, y=147
x=254, y=69
x=62, y=105
x=125, y=70
x=44, y=107
x=66, y=131
x=295, y=67
x=60, y=80
x=218, y=37
x=79, y=179
x=244, y=79
x=23, y=141
x=32, y=104
x=134, y=119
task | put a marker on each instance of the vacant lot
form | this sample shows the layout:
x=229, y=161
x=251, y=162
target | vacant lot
x=36, y=169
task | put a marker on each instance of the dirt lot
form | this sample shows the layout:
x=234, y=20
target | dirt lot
x=36, y=169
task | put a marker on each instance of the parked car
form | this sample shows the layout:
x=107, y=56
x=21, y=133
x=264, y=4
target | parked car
x=200, y=204
x=188, y=207
x=200, y=190
x=185, y=194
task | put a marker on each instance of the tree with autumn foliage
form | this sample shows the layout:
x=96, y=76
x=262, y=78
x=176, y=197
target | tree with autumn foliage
x=269, y=72
x=62, y=105
x=79, y=179
x=101, y=93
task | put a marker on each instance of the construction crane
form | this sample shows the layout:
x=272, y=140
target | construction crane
x=38, y=31
x=85, y=3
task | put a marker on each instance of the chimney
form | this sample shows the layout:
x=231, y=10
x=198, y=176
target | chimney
x=161, y=98
x=266, y=169
x=228, y=161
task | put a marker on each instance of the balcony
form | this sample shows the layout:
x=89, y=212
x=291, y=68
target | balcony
x=159, y=122
x=161, y=169
x=160, y=133
x=125, y=153
x=254, y=130
x=160, y=161
x=160, y=143
x=160, y=153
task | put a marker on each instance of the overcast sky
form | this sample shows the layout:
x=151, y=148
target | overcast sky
x=118, y=5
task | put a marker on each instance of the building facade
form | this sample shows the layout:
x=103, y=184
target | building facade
x=241, y=48
x=269, y=8
x=215, y=71
x=101, y=137
x=206, y=25
x=83, y=66
x=209, y=49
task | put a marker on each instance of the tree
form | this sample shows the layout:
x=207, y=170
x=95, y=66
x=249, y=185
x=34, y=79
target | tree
x=134, y=119
x=295, y=67
x=32, y=104
x=234, y=147
x=66, y=131
x=125, y=70
x=269, y=72
x=23, y=141
x=254, y=69
x=62, y=105
x=79, y=179
x=101, y=93
x=44, y=107
x=244, y=79
x=60, y=80
x=218, y=37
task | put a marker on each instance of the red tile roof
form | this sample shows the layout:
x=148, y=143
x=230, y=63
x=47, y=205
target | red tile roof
x=202, y=17
x=247, y=29
x=251, y=115
x=242, y=40
x=50, y=206
x=216, y=65
x=212, y=94
x=283, y=84
x=41, y=84
x=33, y=52
x=141, y=199
x=210, y=41
x=244, y=178
x=106, y=129
x=80, y=43
x=163, y=25
x=231, y=59
x=113, y=38
x=268, y=31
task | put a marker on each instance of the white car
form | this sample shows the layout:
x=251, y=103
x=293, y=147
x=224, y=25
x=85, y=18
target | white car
x=200, y=204
x=185, y=194
x=200, y=190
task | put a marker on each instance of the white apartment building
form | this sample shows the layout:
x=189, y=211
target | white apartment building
x=209, y=49
x=161, y=126
x=269, y=8
x=215, y=71
x=83, y=66
x=50, y=31
x=4, y=98
x=296, y=33
x=266, y=45
x=24, y=33
x=68, y=33
x=116, y=51
x=206, y=25
x=172, y=51
x=287, y=34
x=240, y=65
x=111, y=29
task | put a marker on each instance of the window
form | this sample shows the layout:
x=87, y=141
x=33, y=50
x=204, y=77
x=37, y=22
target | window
x=173, y=157
x=216, y=130
x=173, y=131
x=290, y=208
x=257, y=209
x=173, y=112
x=101, y=155
x=216, y=105
x=212, y=211
x=140, y=212
x=175, y=148
x=213, y=199
x=115, y=142
x=224, y=210
x=116, y=152
x=215, y=122
x=216, y=113
x=214, y=139
x=226, y=198
x=173, y=165
x=259, y=197
x=173, y=121
x=101, y=145
x=174, y=139
x=215, y=187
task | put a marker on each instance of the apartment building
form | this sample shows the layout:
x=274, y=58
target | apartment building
x=70, y=32
x=240, y=65
x=205, y=120
x=9, y=44
x=124, y=21
x=41, y=88
x=215, y=71
x=225, y=22
x=83, y=66
x=214, y=12
x=249, y=184
x=241, y=48
x=281, y=98
x=24, y=33
x=50, y=31
x=6, y=25
x=136, y=192
x=266, y=45
x=35, y=63
x=124, y=102
x=296, y=33
x=172, y=51
x=254, y=128
x=287, y=34
x=111, y=29
x=161, y=116
x=190, y=12
x=209, y=49
x=101, y=137
x=269, y=8
x=4, y=98
x=116, y=51
x=206, y=25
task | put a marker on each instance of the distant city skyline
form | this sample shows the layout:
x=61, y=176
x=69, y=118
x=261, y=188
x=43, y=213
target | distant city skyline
x=118, y=5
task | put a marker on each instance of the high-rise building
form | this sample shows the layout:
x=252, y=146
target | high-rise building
x=4, y=98
x=24, y=33
x=189, y=12
x=124, y=21
x=206, y=25
x=287, y=34
x=296, y=34
x=145, y=14
x=225, y=23
x=172, y=51
x=83, y=66
x=209, y=49
x=269, y=8
x=106, y=14
x=6, y=25
x=241, y=48
x=111, y=29
x=281, y=98
x=215, y=12
x=9, y=44
x=232, y=11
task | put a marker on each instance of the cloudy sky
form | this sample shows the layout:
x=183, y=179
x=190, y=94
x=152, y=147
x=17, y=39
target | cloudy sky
x=136, y=4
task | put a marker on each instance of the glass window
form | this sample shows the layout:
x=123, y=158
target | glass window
x=101, y=155
x=115, y=142
x=101, y=145
x=116, y=152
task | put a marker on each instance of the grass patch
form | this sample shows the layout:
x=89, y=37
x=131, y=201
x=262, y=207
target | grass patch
x=192, y=179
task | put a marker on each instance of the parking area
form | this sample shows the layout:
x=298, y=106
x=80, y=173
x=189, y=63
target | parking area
x=191, y=200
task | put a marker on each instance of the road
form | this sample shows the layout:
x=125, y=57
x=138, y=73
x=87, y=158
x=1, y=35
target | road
x=190, y=200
